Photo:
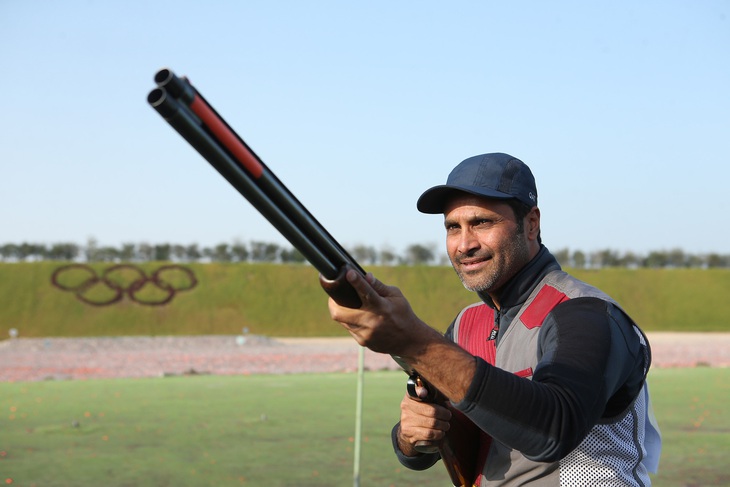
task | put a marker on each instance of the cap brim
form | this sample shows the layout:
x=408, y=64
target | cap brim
x=434, y=200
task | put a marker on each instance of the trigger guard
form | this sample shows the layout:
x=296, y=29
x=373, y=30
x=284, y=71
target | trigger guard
x=413, y=381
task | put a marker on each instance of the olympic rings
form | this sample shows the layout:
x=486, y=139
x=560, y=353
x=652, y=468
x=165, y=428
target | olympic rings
x=123, y=279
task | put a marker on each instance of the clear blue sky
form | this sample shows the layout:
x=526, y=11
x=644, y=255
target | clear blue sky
x=622, y=109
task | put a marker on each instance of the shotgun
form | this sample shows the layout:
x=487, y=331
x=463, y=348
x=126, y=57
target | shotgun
x=185, y=109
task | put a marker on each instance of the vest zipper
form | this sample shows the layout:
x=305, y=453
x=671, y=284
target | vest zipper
x=495, y=330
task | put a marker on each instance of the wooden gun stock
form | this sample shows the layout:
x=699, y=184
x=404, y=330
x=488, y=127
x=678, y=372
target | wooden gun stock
x=459, y=450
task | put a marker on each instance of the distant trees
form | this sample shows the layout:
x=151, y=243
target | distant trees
x=25, y=251
x=417, y=254
x=257, y=251
x=63, y=251
x=656, y=259
x=364, y=254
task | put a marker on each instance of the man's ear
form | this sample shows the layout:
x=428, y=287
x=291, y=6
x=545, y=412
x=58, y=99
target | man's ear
x=532, y=223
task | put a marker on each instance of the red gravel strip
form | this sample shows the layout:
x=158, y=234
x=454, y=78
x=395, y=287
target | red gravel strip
x=33, y=359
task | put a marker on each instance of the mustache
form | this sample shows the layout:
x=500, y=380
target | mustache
x=472, y=257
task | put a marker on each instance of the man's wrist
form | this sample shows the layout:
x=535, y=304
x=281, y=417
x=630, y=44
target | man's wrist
x=404, y=446
x=419, y=461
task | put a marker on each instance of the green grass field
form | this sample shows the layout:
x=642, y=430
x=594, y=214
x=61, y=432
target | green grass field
x=286, y=300
x=282, y=431
x=298, y=429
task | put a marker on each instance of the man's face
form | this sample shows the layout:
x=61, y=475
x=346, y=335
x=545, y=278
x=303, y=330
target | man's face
x=484, y=243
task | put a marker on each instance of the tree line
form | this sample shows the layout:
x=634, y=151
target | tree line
x=256, y=251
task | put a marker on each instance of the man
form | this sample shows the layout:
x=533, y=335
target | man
x=551, y=370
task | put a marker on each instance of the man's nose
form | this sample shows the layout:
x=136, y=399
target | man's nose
x=467, y=241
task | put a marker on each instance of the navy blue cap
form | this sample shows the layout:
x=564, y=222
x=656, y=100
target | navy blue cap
x=496, y=175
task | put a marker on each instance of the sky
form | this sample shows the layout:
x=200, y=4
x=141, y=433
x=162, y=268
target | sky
x=621, y=109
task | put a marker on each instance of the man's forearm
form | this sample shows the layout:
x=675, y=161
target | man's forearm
x=443, y=364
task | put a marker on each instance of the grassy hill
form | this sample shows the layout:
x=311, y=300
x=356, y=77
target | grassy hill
x=286, y=300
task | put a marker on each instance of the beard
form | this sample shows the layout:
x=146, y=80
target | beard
x=508, y=261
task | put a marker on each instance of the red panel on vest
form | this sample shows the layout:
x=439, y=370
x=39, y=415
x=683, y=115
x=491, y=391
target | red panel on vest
x=524, y=373
x=475, y=327
x=544, y=302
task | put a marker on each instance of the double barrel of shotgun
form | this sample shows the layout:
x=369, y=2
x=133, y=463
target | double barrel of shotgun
x=184, y=108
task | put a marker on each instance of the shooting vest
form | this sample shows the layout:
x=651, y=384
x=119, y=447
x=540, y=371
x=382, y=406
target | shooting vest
x=613, y=453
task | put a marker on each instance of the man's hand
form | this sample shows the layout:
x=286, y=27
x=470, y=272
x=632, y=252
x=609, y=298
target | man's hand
x=385, y=322
x=423, y=423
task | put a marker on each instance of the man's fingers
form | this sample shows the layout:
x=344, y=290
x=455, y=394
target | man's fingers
x=429, y=414
x=382, y=289
x=423, y=425
x=369, y=284
x=363, y=287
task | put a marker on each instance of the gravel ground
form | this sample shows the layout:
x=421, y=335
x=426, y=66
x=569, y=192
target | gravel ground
x=32, y=359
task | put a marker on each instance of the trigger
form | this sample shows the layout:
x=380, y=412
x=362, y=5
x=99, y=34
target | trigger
x=414, y=381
